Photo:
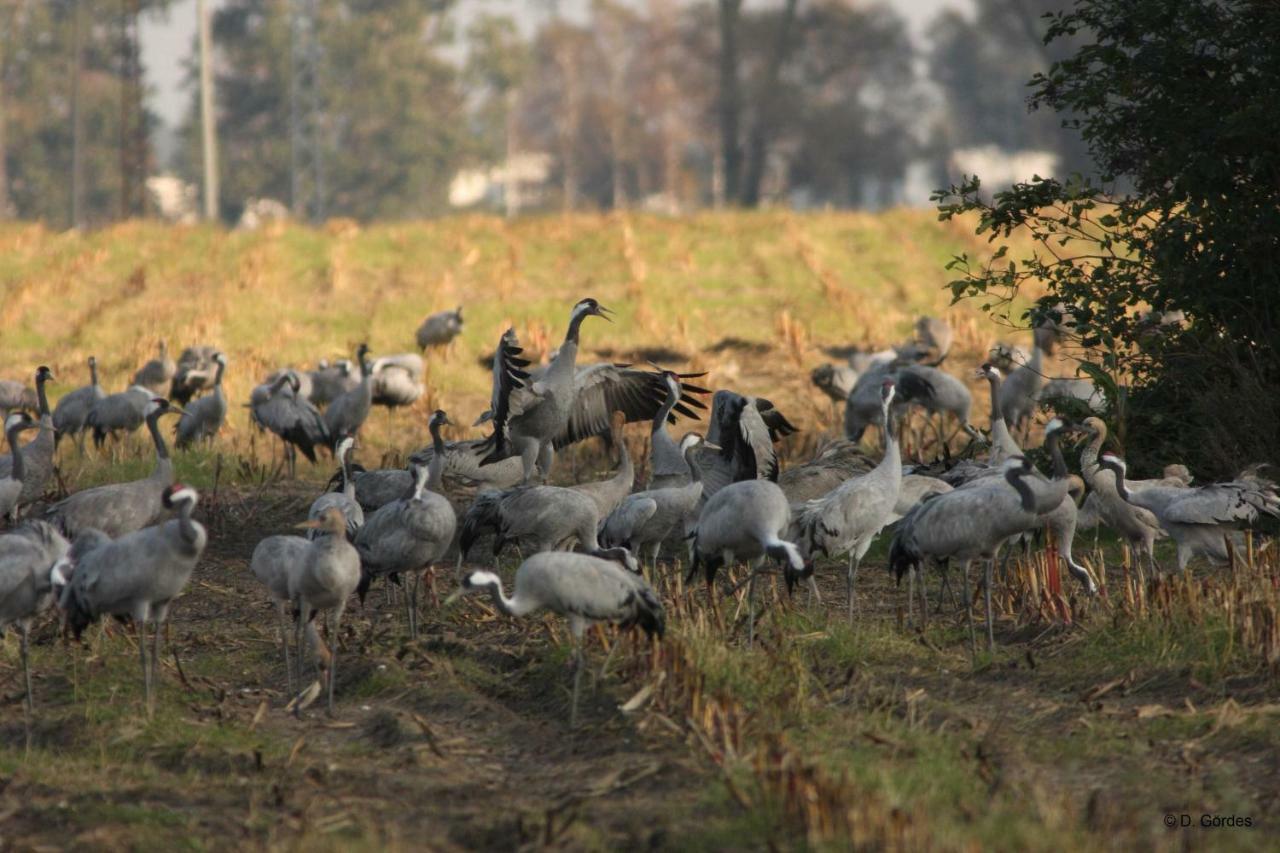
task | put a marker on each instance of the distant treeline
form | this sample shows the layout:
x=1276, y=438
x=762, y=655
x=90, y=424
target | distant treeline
x=372, y=109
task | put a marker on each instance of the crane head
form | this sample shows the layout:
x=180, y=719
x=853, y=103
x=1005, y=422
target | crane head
x=179, y=494
x=988, y=371
x=887, y=390
x=439, y=418
x=17, y=422
x=471, y=583
x=43, y=374
x=220, y=358
x=591, y=308
x=1114, y=462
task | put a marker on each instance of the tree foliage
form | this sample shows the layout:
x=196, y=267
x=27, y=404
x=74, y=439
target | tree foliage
x=1173, y=103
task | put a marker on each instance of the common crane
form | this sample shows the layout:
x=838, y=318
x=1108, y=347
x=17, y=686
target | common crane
x=157, y=373
x=610, y=492
x=744, y=430
x=124, y=411
x=409, y=535
x=1021, y=388
x=330, y=572
x=195, y=372
x=37, y=454
x=72, y=412
x=293, y=418
x=203, y=418
x=1200, y=520
x=120, y=508
x=348, y=412
x=746, y=521
x=136, y=576
x=32, y=559
x=397, y=380
x=275, y=560
x=345, y=498
x=847, y=520
x=439, y=329
x=11, y=484
x=1137, y=525
x=644, y=520
x=581, y=587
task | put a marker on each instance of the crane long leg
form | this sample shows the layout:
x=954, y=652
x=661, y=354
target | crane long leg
x=854, y=563
x=155, y=654
x=333, y=655
x=576, y=627
x=911, y=592
x=140, y=627
x=25, y=649
x=924, y=597
x=751, y=606
x=991, y=636
x=814, y=595
x=968, y=612
x=300, y=657
x=283, y=626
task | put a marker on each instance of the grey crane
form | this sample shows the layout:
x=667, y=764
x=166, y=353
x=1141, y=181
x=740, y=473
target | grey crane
x=120, y=508
x=203, y=418
x=607, y=494
x=834, y=380
x=275, y=560
x=71, y=414
x=31, y=560
x=330, y=572
x=1022, y=387
x=157, y=374
x=744, y=429
x=15, y=396
x=345, y=498
x=196, y=369
x=975, y=521
x=537, y=518
x=528, y=417
x=645, y=519
x=667, y=465
x=914, y=489
x=12, y=483
x=1200, y=520
x=136, y=576
x=408, y=535
x=397, y=380
x=305, y=381
x=37, y=454
x=439, y=329
x=348, y=412
x=847, y=520
x=294, y=419
x=1003, y=445
x=582, y=588
x=835, y=463
x=328, y=382
x=1137, y=525
x=746, y=521
x=931, y=389
x=599, y=390
x=124, y=411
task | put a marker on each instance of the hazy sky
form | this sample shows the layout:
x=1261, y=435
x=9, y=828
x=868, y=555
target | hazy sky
x=167, y=40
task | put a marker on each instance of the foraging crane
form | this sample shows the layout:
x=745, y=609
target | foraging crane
x=645, y=519
x=1022, y=387
x=1200, y=520
x=72, y=411
x=581, y=587
x=275, y=560
x=137, y=575
x=933, y=390
x=203, y=418
x=345, y=498
x=847, y=520
x=834, y=380
x=293, y=418
x=607, y=494
x=439, y=329
x=744, y=429
x=11, y=485
x=120, y=508
x=973, y=522
x=195, y=372
x=537, y=518
x=330, y=572
x=397, y=380
x=410, y=534
x=348, y=412
x=746, y=521
x=37, y=454
x=157, y=373
x=527, y=418
x=31, y=561
x=121, y=412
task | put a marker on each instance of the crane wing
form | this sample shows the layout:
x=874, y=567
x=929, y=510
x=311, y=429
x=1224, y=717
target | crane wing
x=602, y=389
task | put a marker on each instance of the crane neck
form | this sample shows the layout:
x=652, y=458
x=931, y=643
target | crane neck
x=19, y=470
x=42, y=395
x=626, y=468
x=1122, y=487
x=996, y=413
x=187, y=528
x=217, y=376
x=153, y=426
x=1015, y=478
x=500, y=601
x=691, y=459
x=1055, y=453
x=660, y=419
x=93, y=373
x=348, y=487
x=435, y=469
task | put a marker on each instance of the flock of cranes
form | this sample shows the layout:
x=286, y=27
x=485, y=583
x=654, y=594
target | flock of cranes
x=128, y=549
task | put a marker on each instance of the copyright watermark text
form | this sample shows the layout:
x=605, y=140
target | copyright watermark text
x=1183, y=820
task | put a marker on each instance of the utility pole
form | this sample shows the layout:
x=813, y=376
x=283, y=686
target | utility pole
x=306, y=162
x=133, y=131
x=77, y=125
x=208, y=123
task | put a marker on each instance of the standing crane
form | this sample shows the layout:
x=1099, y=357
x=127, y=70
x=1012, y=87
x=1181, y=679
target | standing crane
x=292, y=417
x=274, y=562
x=120, y=508
x=203, y=418
x=72, y=412
x=345, y=498
x=348, y=412
x=581, y=587
x=847, y=520
x=31, y=562
x=645, y=519
x=37, y=454
x=330, y=572
x=11, y=485
x=137, y=575
x=439, y=329
x=157, y=373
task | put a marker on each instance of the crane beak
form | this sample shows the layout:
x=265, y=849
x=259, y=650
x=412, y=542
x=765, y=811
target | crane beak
x=485, y=417
x=710, y=446
x=601, y=311
x=310, y=524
